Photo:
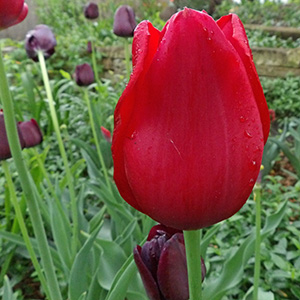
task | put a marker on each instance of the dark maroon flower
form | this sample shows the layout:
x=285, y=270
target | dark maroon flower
x=4, y=146
x=84, y=75
x=31, y=133
x=40, y=38
x=89, y=48
x=162, y=264
x=91, y=11
x=124, y=22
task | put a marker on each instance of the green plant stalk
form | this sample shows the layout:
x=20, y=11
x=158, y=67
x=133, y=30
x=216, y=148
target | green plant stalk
x=127, y=58
x=257, y=198
x=62, y=153
x=36, y=219
x=19, y=216
x=192, y=240
x=99, y=152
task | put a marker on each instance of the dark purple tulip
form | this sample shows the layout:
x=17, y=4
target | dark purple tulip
x=40, y=38
x=91, y=11
x=84, y=75
x=124, y=21
x=89, y=48
x=162, y=264
x=4, y=146
x=31, y=133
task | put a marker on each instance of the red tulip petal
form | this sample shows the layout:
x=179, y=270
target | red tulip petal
x=234, y=30
x=172, y=275
x=188, y=140
x=144, y=47
x=149, y=283
x=12, y=13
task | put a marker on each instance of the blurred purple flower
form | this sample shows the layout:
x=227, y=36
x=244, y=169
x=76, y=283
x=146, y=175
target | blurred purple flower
x=29, y=135
x=89, y=47
x=91, y=11
x=84, y=75
x=40, y=38
x=31, y=132
x=161, y=262
x=124, y=21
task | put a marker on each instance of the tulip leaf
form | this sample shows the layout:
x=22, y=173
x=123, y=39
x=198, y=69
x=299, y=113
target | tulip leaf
x=292, y=158
x=8, y=292
x=233, y=269
x=207, y=237
x=78, y=283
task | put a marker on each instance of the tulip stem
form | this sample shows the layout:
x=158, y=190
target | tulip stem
x=104, y=170
x=127, y=58
x=20, y=219
x=257, y=198
x=24, y=176
x=62, y=153
x=192, y=240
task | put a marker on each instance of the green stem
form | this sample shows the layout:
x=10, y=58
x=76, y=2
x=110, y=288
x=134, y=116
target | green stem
x=19, y=216
x=257, y=198
x=99, y=152
x=127, y=58
x=192, y=247
x=35, y=216
x=62, y=152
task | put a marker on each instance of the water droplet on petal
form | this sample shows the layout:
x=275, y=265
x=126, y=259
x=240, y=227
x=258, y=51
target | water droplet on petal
x=242, y=119
x=251, y=182
x=248, y=134
x=253, y=165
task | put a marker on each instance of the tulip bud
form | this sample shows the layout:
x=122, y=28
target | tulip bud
x=124, y=21
x=31, y=133
x=106, y=134
x=89, y=47
x=41, y=38
x=84, y=75
x=12, y=12
x=4, y=145
x=161, y=262
x=91, y=11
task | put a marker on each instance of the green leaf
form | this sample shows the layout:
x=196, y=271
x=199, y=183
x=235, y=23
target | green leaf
x=233, y=269
x=8, y=292
x=78, y=283
x=65, y=74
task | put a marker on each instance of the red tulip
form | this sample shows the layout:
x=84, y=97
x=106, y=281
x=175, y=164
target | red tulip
x=12, y=12
x=162, y=264
x=191, y=125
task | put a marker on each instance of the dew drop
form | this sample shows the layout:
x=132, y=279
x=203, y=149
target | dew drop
x=248, y=134
x=212, y=32
x=133, y=135
x=209, y=39
x=251, y=182
x=253, y=165
x=204, y=28
x=242, y=119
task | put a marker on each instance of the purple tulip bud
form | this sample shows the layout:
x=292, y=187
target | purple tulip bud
x=91, y=11
x=89, y=47
x=40, y=38
x=4, y=146
x=31, y=132
x=162, y=264
x=84, y=75
x=124, y=21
